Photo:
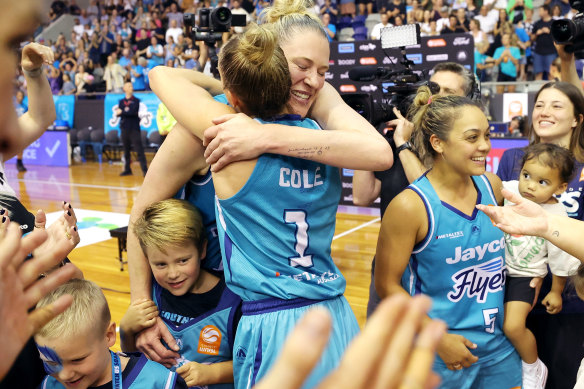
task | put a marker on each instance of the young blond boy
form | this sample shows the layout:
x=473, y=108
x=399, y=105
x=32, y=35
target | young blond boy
x=196, y=306
x=75, y=347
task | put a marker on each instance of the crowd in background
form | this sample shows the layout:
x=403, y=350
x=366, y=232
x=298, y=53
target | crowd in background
x=114, y=41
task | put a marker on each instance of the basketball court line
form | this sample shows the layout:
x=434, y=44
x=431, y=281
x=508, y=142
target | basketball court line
x=356, y=228
x=134, y=188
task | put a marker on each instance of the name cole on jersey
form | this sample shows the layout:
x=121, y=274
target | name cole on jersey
x=297, y=178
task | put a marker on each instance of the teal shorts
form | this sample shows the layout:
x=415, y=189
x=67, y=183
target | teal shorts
x=500, y=373
x=265, y=325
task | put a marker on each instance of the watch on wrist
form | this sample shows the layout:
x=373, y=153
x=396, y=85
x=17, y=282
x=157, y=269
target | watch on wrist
x=405, y=146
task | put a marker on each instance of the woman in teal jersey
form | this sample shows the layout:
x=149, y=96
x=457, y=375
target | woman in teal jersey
x=436, y=243
x=353, y=144
x=274, y=212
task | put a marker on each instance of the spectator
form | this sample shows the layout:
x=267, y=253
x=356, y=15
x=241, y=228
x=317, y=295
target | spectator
x=452, y=27
x=544, y=51
x=156, y=27
x=94, y=53
x=126, y=59
x=137, y=73
x=125, y=31
x=329, y=28
x=172, y=13
x=424, y=26
x=557, y=12
x=488, y=20
x=191, y=55
x=78, y=27
x=114, y=76
x=169, y=50
x=84, y=19
x=118, y=45
x=58, y=8
x=174, y=31
x=93, y=10
x=236, y=9
x=524, y=44
x=462, y=19
x=142, y=42
x=55, y=80
x=376, y=30
x=330, y=8
x=476, y=32
x=155, y=52
x=398, y=20
x=68, y=66
x=106, y=40
x=483, y=63
x=348, y=8
x=555, y=70
x=116, y=19
x=83, y=80
x=396, y=8
x=68, y=86
x=74, y=9
x=365, y=7
x=507, y=58
x=515, y=9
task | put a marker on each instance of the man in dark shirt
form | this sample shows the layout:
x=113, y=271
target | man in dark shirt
x=128, y=108
x=544, y=52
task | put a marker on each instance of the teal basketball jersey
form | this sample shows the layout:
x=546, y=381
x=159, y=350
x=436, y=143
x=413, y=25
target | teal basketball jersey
x=199, y=191
x=276, y=232
x=461, y=265
x=207, y=338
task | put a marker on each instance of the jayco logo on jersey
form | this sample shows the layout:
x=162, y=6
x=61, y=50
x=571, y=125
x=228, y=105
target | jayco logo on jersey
x=451, y=235
x=477, y=252
x=478, y=281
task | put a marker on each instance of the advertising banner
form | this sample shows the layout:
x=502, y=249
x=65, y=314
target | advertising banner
x=148, y=106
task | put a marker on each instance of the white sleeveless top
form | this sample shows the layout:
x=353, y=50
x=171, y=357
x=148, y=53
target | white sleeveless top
x=5, y=188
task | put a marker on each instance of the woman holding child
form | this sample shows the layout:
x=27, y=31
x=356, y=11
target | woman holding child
x=557, y=118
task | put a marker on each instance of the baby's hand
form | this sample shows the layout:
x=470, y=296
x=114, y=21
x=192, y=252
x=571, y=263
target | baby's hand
x=553, y=303
x=141, y=314
x=191, y=372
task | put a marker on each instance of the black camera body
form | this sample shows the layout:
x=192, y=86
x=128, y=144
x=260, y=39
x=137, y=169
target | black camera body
x=213, y=22
x=570, y=32
x=402, y=87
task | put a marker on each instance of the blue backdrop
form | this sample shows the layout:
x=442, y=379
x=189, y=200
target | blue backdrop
x=148, y=106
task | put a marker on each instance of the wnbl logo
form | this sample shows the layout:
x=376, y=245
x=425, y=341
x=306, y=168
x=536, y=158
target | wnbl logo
x=478, y=281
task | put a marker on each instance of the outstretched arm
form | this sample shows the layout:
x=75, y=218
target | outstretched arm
x=528, y=218
x=21, y=288
x=41, y=109
x=568, y=67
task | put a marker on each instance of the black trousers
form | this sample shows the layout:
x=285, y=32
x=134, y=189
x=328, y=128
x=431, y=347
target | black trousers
x=133, y=138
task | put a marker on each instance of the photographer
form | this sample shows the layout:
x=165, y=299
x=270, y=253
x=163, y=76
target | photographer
x=453, y=79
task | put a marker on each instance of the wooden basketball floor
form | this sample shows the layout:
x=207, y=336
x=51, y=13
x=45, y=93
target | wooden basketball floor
x=99, y=187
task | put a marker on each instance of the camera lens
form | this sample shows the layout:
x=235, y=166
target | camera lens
x=223, y=15
x=563, y=30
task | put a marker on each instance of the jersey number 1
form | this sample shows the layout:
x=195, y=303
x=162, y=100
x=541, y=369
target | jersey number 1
x=298, y=218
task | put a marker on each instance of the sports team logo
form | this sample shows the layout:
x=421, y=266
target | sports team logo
x=209, y=340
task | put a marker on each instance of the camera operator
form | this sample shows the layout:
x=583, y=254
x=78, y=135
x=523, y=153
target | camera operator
x=453, y=79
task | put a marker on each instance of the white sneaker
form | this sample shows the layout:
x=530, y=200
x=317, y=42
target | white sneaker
x=534, y=375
